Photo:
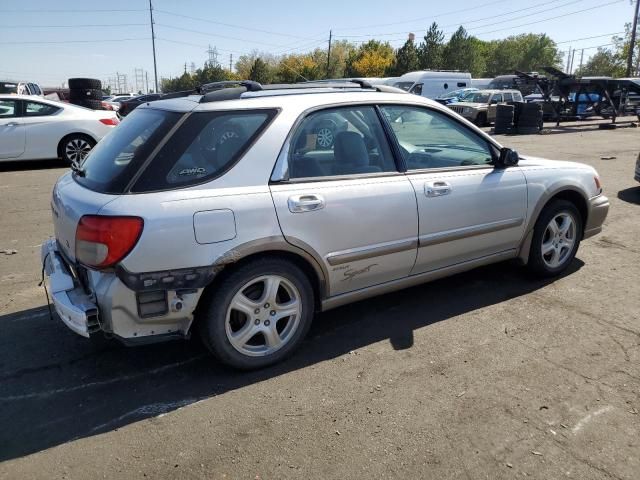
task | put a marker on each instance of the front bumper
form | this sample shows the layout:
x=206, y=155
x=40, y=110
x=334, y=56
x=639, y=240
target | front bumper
x=75, y=307
x=598, y=210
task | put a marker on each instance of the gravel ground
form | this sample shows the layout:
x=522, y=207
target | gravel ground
x=488, y=374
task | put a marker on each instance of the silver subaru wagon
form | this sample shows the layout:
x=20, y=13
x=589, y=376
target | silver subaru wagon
x=241, y=211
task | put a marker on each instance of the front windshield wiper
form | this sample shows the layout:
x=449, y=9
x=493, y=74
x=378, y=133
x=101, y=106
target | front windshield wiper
x=77, y=169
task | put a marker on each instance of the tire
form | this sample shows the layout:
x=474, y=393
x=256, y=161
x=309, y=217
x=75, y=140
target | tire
x=86, y=83
x=541, y=260
x=219, y=322
x=75, y=147
x=85, y=94
x=481, y=119
x=92, y=104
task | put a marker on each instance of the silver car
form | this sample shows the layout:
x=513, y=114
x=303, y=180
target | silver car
x=221, y=213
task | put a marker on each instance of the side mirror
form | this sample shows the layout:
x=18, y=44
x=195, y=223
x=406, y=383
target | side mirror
x=508, y=157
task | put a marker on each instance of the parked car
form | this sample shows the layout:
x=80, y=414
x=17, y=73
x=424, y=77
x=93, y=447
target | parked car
x=221, y=215
x=36, y=128
x=128, y=105
x=115, y=101
x=432, y=83
x=480, y=107
x=455, y=96
x=20, y=88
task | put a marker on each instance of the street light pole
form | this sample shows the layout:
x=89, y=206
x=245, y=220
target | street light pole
x=153, y=43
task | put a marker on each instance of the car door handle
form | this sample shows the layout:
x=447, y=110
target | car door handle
x=437, y=188
x=11, y=124
x=305, y=203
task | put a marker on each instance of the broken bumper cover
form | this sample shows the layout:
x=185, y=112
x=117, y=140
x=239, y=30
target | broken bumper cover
x=75, y=308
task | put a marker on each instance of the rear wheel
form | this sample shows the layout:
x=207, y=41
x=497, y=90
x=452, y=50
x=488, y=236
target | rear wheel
x=481, y=119
x=556, y=238
x=258, y=315
x=75, y=148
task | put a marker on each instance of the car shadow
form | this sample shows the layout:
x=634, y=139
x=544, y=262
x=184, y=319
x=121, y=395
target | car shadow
x=20, y=165
x=57, y=386
x=630, y=195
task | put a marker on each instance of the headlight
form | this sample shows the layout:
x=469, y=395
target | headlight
x=466, y=110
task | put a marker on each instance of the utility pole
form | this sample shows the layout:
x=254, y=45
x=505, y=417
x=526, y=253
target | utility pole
x=568, y=60
x=230, y=62
x=581, y=58
x=146, y=76
x=329, y=53
x=632, y=44
x=573, y=55
x=185, y=67
x=153, y=43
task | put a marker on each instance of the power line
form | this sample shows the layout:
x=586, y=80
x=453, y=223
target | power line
x=489, y=18
x=93, y=10
x=427, y=18
x=77, y=26
x=231, y=25
x=590, y=38
x=75, y=41
x=209, y=34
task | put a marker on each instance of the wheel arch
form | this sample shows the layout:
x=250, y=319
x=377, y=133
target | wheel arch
x=569, y=193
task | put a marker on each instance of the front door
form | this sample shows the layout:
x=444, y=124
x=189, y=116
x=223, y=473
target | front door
x=345, y=202
x=467, y=208
x=12, y=133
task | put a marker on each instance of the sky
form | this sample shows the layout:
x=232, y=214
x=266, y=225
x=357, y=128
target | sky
x=48, y=41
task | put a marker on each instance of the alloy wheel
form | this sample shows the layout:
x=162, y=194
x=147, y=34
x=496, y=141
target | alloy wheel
x=77, y=149
x=263, y=315
x=558, y=240
x=325, y=137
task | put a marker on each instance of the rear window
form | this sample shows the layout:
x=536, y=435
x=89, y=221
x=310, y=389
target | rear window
x=205, y=146
x=119, y=156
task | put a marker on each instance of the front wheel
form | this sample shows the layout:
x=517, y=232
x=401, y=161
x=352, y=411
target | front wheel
x=258, y=315
x=556, y=238
x=75, y=148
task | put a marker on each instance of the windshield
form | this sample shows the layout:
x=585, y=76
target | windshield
x=404, y=85
x=8, y=87
x=476, y=97
x=116, y=159
x=456, y=93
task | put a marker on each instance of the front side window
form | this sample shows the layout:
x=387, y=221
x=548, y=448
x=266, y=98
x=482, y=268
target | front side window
x=205, y=146
x=340, y=141
x=430, y=139
x=508, y=97
x=497, y=98
x=36, y=109
x=8, y=108
x=417, y=89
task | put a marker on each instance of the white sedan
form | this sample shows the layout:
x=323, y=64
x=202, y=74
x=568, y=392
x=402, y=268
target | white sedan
x=37, y=128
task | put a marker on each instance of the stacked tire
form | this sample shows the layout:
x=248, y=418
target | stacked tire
x=86, y=92
x=504, y=119
x=530, y=120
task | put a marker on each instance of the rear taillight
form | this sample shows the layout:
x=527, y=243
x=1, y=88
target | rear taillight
x=110, y=121
x=102, y=241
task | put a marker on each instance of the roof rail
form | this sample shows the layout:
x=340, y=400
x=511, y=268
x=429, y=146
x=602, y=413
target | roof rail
x=250, y=86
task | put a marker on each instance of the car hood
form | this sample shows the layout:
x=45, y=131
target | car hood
x=469, y=104
x=529, y=161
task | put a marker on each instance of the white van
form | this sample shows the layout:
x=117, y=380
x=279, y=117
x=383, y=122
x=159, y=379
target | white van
x=432, y=83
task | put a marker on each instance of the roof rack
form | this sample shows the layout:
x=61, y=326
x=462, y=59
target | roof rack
x=231, y=90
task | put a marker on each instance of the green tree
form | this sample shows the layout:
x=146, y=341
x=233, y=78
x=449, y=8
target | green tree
x=406, y=59
x=604, y=62
x=260, y=72
x=340, y=51
x=431, y=49
x=371, y=59
x=526, y=53
x=622, y=45
x=465, y=53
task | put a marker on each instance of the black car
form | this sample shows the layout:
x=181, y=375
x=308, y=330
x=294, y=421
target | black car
x=128, y=106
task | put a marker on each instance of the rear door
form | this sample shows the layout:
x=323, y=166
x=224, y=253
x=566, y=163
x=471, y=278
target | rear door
x=467, y=208
x=345, y=201
x=12, y=134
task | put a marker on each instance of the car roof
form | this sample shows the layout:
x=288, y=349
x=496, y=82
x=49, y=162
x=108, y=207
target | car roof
x=299, y=99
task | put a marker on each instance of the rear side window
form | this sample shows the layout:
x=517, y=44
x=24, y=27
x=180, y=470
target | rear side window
x=119, y=156
x=205, y=146
x=37, y=109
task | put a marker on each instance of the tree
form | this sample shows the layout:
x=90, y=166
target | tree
x=465, y=53
x=300, y=68
x=406, y=59
x=340, y=51
x=430, y=51
x=603, y=63
x=622, y=45
x=371, y=59
x=260, y=72
x=526, y=53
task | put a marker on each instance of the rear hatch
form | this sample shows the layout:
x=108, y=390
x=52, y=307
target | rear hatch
x=70, y=202
x=107, y=171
